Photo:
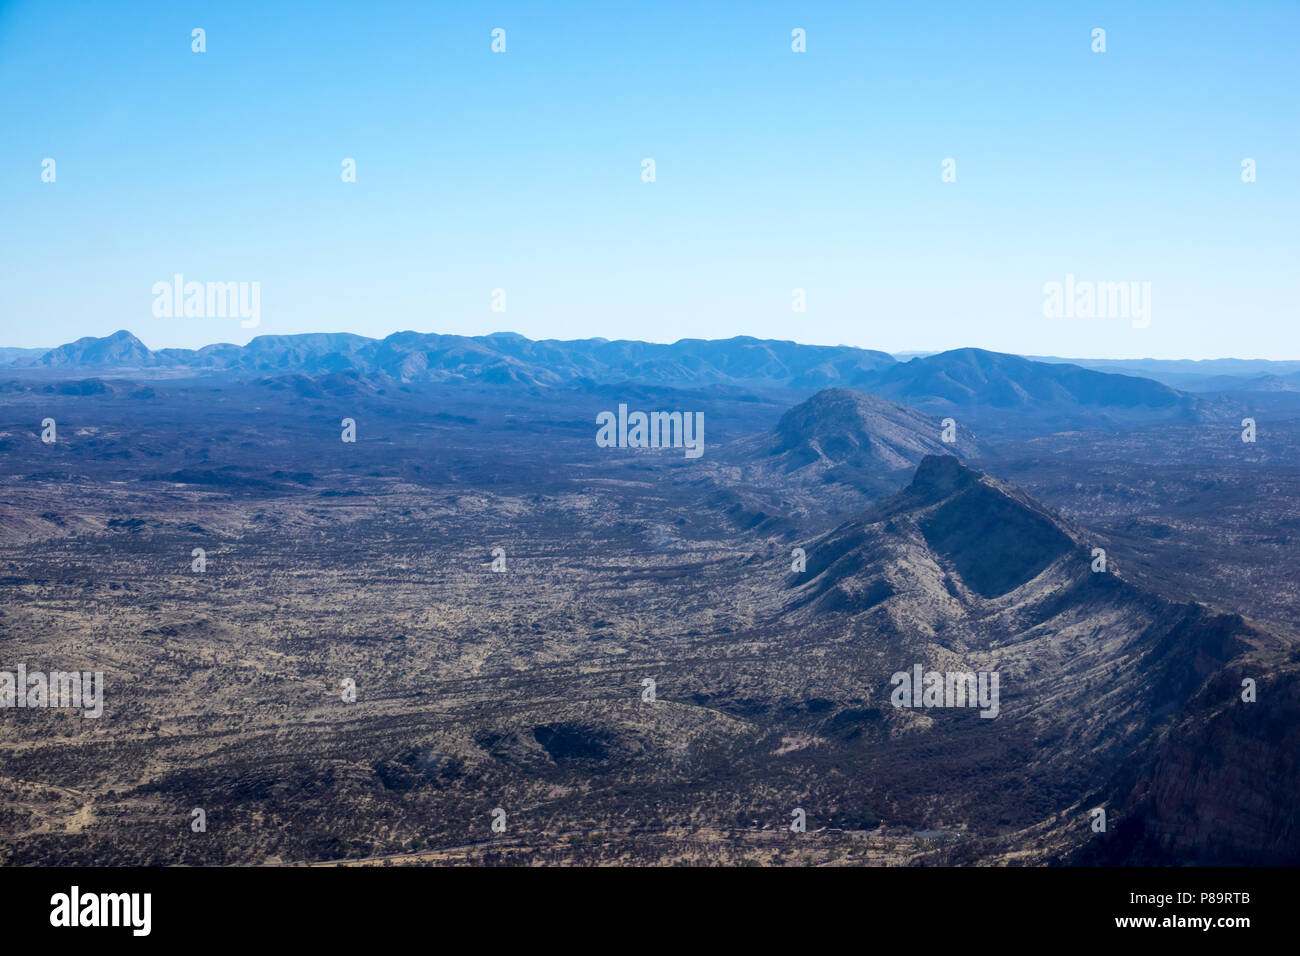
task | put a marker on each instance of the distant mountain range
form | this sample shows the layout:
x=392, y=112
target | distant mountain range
x=1226, y=374
x=738, y=360
x=502, y=358
x=992, y=391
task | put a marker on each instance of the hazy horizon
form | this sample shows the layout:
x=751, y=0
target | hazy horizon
x=900, y=355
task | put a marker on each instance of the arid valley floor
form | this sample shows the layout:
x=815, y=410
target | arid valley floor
x=524, y=688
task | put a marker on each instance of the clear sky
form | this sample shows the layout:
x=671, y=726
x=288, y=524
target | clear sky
x=774, y=170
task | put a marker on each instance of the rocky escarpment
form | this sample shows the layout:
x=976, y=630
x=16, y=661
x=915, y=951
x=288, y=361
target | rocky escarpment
x=1220, y=788
x=1112, y=695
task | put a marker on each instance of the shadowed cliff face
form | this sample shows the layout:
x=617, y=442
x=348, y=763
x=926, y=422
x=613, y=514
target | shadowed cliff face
x=994, y=542
x=1220, y=787
x=978, y=532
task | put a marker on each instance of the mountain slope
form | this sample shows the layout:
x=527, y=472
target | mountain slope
x=843, y=428
x=119, y=350
x=969, y=376
x=833, y=454
x=996, y=391
x=1103, y=685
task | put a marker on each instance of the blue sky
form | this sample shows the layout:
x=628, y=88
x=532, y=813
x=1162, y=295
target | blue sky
x=775, y=170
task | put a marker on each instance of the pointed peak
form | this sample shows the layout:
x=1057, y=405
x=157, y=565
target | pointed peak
x=942, y=474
